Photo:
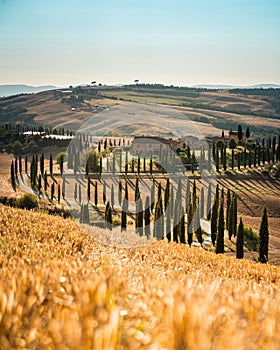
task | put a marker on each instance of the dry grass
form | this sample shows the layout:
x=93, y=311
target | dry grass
x=61, y=290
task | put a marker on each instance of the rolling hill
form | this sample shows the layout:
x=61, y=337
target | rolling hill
x=212, y=110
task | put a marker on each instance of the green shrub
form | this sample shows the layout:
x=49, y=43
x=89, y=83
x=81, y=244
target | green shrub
x=27, y=201
x=251, y=238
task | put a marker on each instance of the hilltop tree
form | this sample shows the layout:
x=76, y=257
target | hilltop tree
x=264, y=238
x=248, y=132
x=240, y=241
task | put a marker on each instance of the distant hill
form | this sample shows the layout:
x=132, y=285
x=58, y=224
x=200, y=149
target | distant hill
x=9, y=90
x=226, y=87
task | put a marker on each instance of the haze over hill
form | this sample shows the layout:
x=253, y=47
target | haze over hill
x=9, y=90
x=257, y=86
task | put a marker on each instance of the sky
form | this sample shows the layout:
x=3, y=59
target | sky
x=179, y=42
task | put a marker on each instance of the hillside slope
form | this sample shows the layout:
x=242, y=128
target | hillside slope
x=212, y=110
x=60, y=289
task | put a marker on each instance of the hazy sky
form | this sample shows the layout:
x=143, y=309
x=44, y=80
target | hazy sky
x=180, y=42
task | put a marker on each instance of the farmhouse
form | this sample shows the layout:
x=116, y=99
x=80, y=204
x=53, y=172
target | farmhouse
x=233, y=135
x=145, y=145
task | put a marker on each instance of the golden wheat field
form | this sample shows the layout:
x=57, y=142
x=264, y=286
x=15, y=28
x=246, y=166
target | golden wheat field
x=61, y=290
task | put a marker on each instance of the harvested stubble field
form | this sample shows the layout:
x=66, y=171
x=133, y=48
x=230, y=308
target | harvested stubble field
x=59, y=289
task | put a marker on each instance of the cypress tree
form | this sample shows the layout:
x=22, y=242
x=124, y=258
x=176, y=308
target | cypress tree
x=106, y=214
x=39, y=184
x=159, y=191
x=147, y=219
x=13, y=178
x=232, y=159
x=20, y=165
x=240, y=241
x=104, y=192
x=190, y=225
x=234, y=214
x=137, y=191
x=88, y=189
x=228, y=207
x=52, y=191
x=112, y=196
x=224, y=158
x=124, y=215
x=110, y=218
x=193, y=162
x=182, y=225
x=63, y=187
x=45, y=182
x=120, y=193
x=214, y=218
x=167, y=194
x=231, y=219
x=80, y=193
x=96, y=194
x=217, y=161
x=126, y=163
x=198, y=231
x=138, y=165
x=139, y=217
x=221, y=229
x=151, y=164
x=58, y=191
x=26, y=165
x=168, y=219
x=202, y=202
x=76, y=191
x=264, y=238
x=240, y=133
x=209, y=199
x=42, y=164
x=158, y=220
x=51, y=164
x=153, y=189
x=100, y=166
x=188, y=191
x=194, y=193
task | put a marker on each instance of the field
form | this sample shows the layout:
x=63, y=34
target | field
x=59, y=289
